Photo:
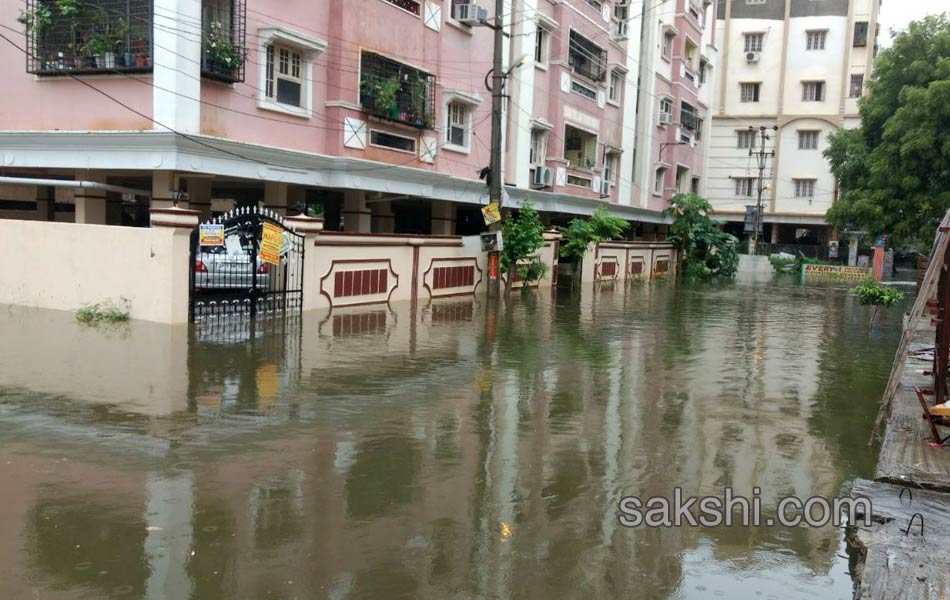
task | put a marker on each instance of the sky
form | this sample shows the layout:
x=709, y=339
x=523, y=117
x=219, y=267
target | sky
x=896, y=14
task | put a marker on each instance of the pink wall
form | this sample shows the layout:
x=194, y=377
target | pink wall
x=28, y=103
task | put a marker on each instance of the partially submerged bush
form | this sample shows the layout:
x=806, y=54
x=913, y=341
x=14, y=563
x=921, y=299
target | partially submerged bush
x=580, y=233
x=103, y=312
x=707, y=251
x=869, y=291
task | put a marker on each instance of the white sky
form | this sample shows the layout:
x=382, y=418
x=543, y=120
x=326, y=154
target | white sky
x=896, y=14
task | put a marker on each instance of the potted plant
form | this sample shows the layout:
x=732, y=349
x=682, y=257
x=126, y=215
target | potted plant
x=222, y=56
x=120, y=35
x=420, y=95
x=386, y=91
x=39, y=20
x=101, y=47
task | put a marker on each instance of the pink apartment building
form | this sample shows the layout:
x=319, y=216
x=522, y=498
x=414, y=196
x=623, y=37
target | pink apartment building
x=375, y=110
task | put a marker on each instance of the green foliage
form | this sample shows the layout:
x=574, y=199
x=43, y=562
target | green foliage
x=68, y=8
x=869, y=291
x=707, y=251
x=315, y=211
x=523, y=237
x=103, y=312
x=39, y=20
x=784, y=265
x=220, y=51
x=600, y=227
x=894, y=170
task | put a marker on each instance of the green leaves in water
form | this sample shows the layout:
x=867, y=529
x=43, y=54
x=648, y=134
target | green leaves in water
x=871, y=292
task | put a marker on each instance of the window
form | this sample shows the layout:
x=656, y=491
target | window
x=860, y=34
x=857, y=85
x=807, y=139
x=666, y=111
x=583, y=90
x=579, y=181
x=815, y=40
x=541, y=40
x=804, y=188
x=667, y=50
x=658, y=183
x=611, y=160
x=745, y=139
x=744, y=186
x=587, y=58
x=408, y=5
x=755, y=1
x=689, y=117
x=689, y=54
x=694, y=186
x=749, y=92
x=396, y=92
x=539, y=143
x=391, y=141
x=813, y=91
x=456, y=129
x=222, y=22
x=594, y=3
x=615, y=92
x=580, y=148
x=753, y=42
x=284, y=77
x=703, y=67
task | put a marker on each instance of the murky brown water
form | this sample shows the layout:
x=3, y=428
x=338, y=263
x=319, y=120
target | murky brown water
x=462, y=452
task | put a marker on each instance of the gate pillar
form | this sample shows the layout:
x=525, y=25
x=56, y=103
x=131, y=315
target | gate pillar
x=174, y=290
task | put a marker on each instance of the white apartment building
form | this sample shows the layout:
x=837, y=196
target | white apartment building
x=799, y=66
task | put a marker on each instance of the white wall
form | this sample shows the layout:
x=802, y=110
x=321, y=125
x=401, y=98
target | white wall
x=63, y=266
x=767, y=71
x=814, y=65
x=803, y=164
x=726, y=161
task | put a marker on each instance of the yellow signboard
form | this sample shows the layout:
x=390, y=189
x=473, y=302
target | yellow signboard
x=810, y=271
x=211, y=234
x=271, y=239
x=491, y=213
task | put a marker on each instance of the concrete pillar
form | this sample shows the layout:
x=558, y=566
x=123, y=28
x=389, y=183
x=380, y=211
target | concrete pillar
x=45, y=203
x=383, y=219
x=90, y=206
x=199, y=195
x=164, y=191
x=775, y=231
x=275, y=197
x=179, y=223
x=176, y=71
x=356, y=215
x=443, y=217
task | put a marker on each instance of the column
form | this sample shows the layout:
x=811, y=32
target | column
x=383, y=219
x=310, y=228
x=90, y=203
x=356, y=215
x=174, y=290
x=176, y=71
x=443, y=217
x=775, y=232
x=164, y=191
x=275, y=197
x=199, y=195
x=45, y=203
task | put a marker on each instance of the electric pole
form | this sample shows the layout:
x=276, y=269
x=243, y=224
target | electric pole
x=497, y=106
x=762, y=155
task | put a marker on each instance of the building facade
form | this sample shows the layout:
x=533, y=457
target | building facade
x=375, y=110
x=796, y=68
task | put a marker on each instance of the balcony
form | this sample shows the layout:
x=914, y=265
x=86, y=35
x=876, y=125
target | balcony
x=587, y=58
x=396, y=92
x=68, y=37
x=223, y=48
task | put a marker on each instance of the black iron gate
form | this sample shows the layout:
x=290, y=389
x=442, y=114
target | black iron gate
x=246, y=263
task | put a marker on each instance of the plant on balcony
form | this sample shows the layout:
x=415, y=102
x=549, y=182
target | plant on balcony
x=69, y=8
x=39, y=20
x=221, y=54
x=420, y=97
x=383, y=94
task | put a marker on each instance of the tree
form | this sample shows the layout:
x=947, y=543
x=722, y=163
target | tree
x=707, y=251
x=894, y=170
x=579, y=233
x=523, y=237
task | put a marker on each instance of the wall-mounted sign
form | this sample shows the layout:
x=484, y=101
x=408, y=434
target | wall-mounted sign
x=211, y=234
x=271, y=239
x=491, y=213
x=834, y=272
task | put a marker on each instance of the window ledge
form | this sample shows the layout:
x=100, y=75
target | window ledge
x=458, y=149
x=463, y=28
x=287, y=109
x=541, y=66
x=613, y=103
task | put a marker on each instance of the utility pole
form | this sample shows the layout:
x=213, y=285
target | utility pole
x=762, y=156
x=497, y=106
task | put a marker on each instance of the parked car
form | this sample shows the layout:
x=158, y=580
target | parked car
x=232, y=266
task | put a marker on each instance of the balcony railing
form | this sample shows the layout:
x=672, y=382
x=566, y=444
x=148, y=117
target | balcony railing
x=689, y=118
x=93, y=36
x=587, y=58
x=223, y=48
x=396, y=92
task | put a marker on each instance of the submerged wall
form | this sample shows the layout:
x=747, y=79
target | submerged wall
x=619, y=260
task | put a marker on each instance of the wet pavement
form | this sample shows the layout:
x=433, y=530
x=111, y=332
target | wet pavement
x=458, y=450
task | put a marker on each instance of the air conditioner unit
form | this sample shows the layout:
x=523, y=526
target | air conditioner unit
x=604, y=189
x=666, y=118
x=542, y=177
x=470, y=14
x=752, y=57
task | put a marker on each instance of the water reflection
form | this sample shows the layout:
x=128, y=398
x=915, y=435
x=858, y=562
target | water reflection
x=458, y=449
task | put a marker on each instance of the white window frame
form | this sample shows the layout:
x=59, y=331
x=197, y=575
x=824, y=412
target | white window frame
x=808, y=139
x=751, y=2
x=744, y=184
x=594, y=153
x=851, y=88
x=615, y=82
x=308, y=47
x=740, y=134
x=805, y=188
x=541, y=151
x=611, y=165
x=816, y=97
x=749, y=45
x=755, y=97
x=659, y=180
x=666, y=100
x=669, y=34
x=470, y=102
x=544, y=34
x=415, y=141
x=816, y=39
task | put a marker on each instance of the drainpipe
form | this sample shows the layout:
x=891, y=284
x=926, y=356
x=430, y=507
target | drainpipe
x=71, y=183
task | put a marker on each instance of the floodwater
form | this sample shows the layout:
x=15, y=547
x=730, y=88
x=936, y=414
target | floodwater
x=461, y=450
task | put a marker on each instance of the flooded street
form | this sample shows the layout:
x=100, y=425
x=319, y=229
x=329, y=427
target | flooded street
x=462, y=450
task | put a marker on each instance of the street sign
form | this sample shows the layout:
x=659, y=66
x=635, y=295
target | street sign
x=211, y=234
x=491, y=213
